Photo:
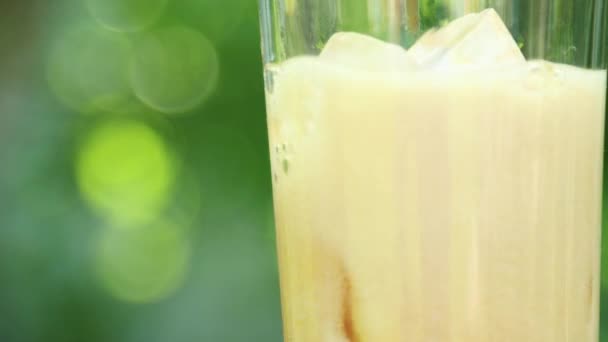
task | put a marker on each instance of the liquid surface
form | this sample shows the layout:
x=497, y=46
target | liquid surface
x=437, y=194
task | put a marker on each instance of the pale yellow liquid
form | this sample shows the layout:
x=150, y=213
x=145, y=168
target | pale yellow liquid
x=438, y=206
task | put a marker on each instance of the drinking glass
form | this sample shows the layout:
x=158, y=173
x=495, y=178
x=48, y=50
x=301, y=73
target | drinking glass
x=437, y=167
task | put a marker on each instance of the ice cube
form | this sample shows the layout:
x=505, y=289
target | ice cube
x=435, y=43
x=475, y=40
x=354, y=50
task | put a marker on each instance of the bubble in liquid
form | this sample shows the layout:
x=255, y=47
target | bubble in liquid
x=174, y=69
x=88, y=69
x=542, y=75
x=126, y=172
x=285, y=165
x=143, y=265
x=126, y=15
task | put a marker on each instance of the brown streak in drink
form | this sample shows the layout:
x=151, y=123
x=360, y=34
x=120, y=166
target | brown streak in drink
x=347, y=312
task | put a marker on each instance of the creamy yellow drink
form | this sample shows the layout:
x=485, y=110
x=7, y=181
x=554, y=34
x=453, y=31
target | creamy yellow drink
x=451, y=192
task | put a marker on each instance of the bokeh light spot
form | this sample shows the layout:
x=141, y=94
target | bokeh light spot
x=126, y=171
x=126, y=15
x=88, y=69
x=218, y=28
x=186, y=206
x=143, y=265
x=174, y=69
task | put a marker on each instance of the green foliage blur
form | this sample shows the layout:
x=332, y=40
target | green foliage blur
x=135, y=197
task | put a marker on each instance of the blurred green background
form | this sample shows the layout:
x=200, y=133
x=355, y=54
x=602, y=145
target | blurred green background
x=135, y=196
